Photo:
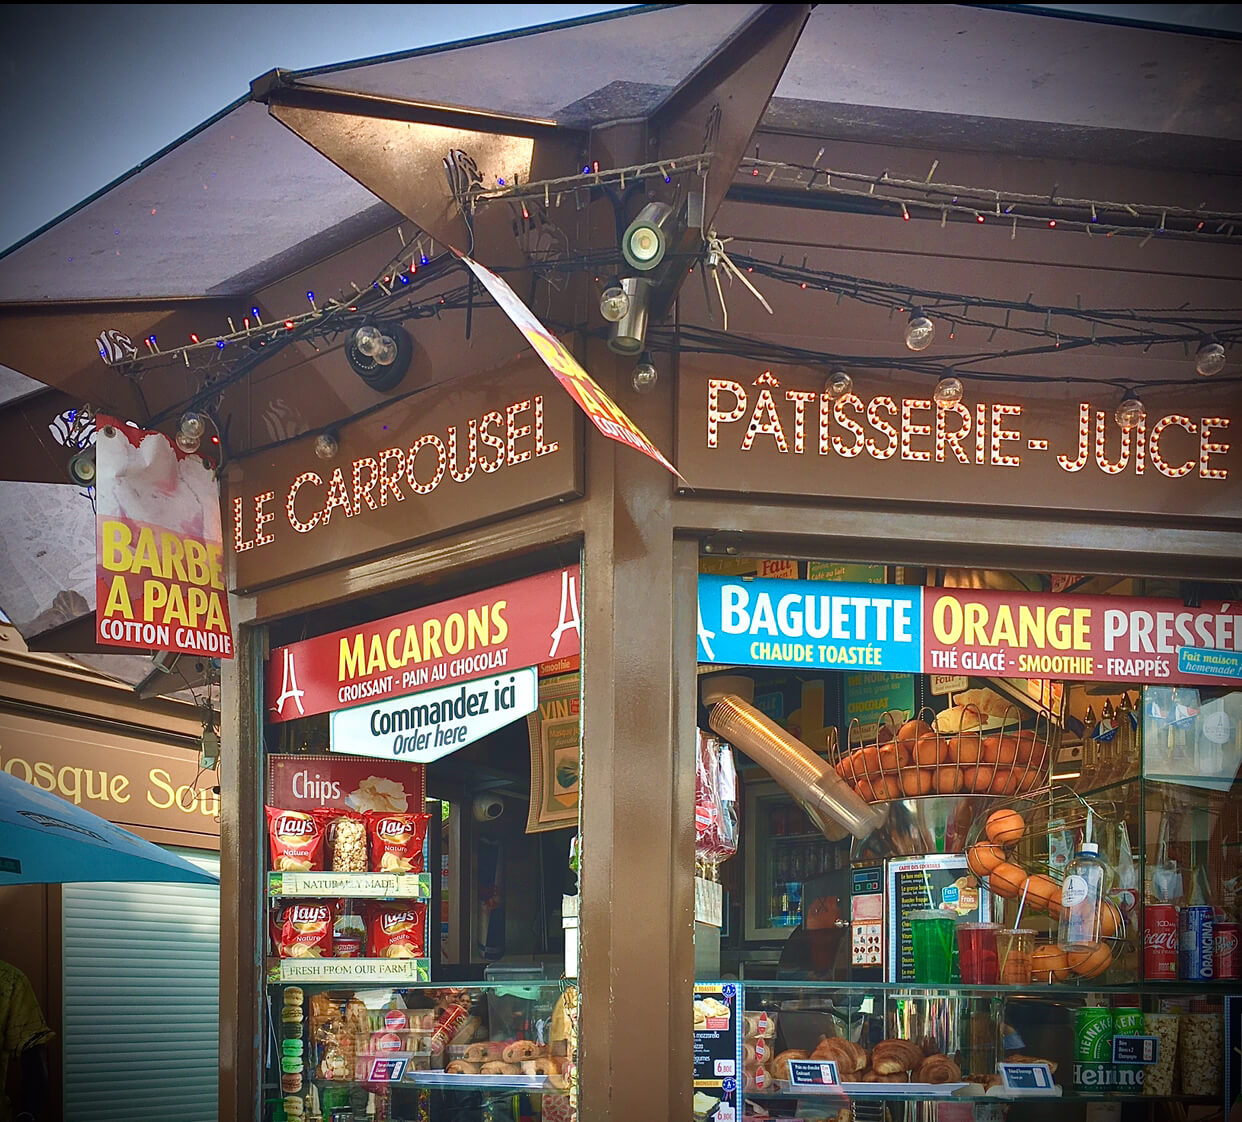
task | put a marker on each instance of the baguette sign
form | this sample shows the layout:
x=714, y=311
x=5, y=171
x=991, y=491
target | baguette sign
x=911, y=630
x=497, y=631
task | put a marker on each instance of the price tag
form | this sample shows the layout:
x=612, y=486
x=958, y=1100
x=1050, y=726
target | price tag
x=1136, y=1049
x=1026, y=1077
x=388, y=1070
x=813, y=1075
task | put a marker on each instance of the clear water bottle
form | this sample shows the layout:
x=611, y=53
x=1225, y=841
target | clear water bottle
x=1082, y=898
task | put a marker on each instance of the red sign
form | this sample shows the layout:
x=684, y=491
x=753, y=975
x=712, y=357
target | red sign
x=524, y=623
x=1081, y=638
x=159, y=574
x=605, y=414
x=301, y=782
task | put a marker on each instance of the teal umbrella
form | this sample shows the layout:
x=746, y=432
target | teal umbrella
x=46, y=840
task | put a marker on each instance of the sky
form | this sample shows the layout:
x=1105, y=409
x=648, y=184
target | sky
x=90, y=91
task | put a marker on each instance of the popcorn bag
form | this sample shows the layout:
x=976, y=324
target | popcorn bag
x=346, y=834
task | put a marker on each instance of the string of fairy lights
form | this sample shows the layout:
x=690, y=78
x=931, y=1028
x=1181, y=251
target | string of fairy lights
x=400, y=291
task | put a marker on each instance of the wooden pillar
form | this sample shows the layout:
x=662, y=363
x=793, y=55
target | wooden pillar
x=637, y=788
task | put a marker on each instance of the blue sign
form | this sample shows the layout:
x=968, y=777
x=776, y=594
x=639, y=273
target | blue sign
x=1026, y=1077
x=812, y=625
x=1207, y=660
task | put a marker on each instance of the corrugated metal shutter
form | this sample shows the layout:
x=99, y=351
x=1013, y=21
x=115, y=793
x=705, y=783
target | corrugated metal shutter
x=141, y=1000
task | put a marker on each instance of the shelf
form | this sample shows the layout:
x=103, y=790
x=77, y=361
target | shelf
x=1067, y=1096
x=924, y=989
x=348, y=971
x=372, y=886
x=478, y=1082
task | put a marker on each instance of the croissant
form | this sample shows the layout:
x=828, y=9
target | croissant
x=461, y=1067
x=890, y=1057
x=780, y=1063
x=873, y=1076
x=938, y=1069
x=841, y=1052
x=499, y=1067
x=541, y=1066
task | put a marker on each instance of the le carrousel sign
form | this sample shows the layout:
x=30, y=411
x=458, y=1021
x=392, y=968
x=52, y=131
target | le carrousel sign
x=743, y=430
x=453, y=457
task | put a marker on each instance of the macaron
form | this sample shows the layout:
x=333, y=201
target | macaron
x=290, y=1064
x=294, y=1106
x=291, y=1047
x=291, y=1083
x=291, y=1013
x=293, y=995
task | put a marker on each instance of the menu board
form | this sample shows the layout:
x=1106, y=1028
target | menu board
x=718, y=1051
x=939, y=880
x=869, y=696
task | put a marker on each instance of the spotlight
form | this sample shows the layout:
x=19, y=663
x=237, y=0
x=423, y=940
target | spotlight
x=920, y=331
x=379, y=356
x=82, y=467
x=645, y=374
x=646, y=238
x=1209, y=358
x=948, y=391
x=629, y=332
x=1130, y=412
x=613, y=302
x=839, y=384
x=194, y=425
x=326, y=446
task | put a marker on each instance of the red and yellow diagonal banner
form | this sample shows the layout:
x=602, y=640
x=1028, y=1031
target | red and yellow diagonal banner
x=605, y=414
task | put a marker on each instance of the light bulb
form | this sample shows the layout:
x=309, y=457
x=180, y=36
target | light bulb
x=368, y=339
x=839, y=384
x=645, y=375
x=1209, y=358
x=614, y=303
x=948, y=390
x=920, y=331
x=193, y=426
x=1130, y=412
x=186, y=442
x=644, y=243
x=326, y=446
x=385, y=352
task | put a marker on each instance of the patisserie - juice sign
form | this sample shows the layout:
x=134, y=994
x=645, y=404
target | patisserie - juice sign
x=159, y=548
x=913, y=630
x=766, y=435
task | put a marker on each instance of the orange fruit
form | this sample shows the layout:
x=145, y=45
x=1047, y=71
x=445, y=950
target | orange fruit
x=1005, y=827
x=1049, y=964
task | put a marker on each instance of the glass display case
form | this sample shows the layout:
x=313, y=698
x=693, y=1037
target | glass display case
x=915, y=1043
x=398, y=1053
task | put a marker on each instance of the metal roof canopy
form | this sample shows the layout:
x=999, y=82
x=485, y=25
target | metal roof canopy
x=210, y=215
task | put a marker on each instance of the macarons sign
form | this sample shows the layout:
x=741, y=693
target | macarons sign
x=823, y=625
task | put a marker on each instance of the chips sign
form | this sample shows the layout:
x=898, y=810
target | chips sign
x=159, y=548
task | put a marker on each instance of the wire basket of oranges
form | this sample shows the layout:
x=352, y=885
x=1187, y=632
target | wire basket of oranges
x=972, y=751
x=1018, y=849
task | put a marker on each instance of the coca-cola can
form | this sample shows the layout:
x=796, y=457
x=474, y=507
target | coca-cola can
x=1160, y=942
x=1226, y=953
